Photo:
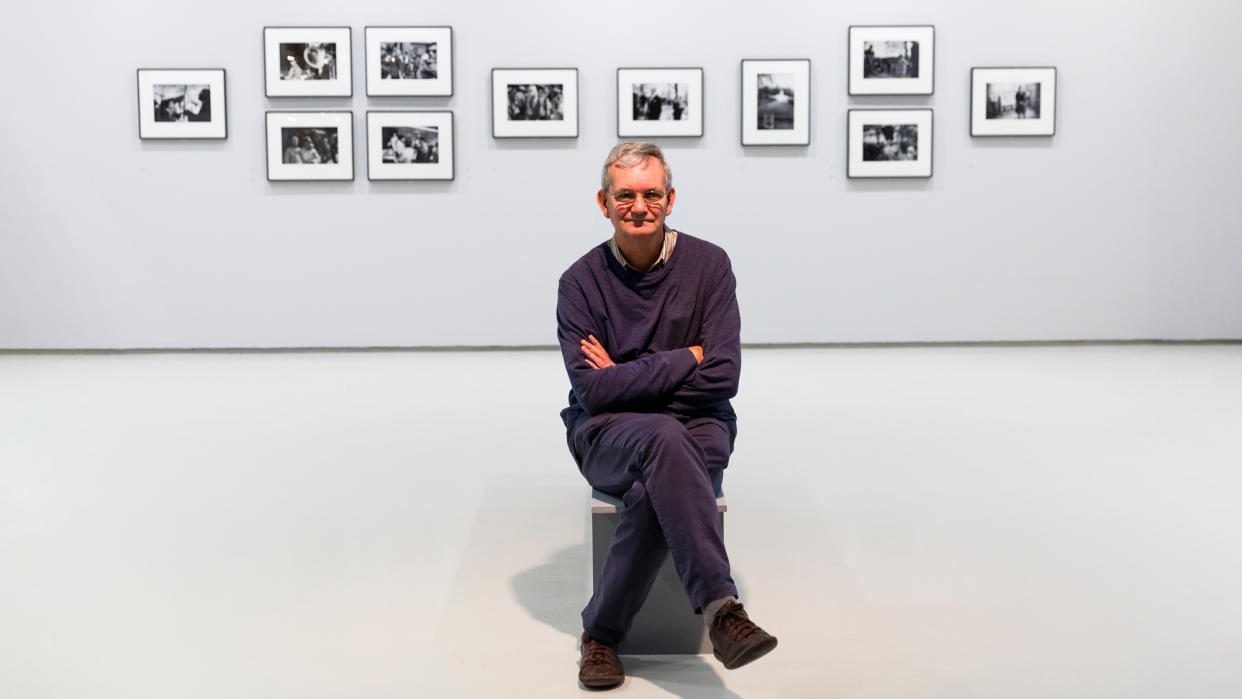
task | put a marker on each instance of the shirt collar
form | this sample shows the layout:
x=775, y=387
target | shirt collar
x=670, y=239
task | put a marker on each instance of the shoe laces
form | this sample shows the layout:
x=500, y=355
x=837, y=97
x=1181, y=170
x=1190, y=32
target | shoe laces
x=734, y=622
x=596, y=652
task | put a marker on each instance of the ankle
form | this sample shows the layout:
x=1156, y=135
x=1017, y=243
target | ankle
x=710, y=609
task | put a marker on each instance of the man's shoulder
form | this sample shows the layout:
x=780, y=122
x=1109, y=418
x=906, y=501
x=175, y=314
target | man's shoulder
x=700, y=249
x=591, y=262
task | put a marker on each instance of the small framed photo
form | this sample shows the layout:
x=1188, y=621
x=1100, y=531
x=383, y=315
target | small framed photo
x=534, y=102
x=896, y=60
x=889, y=143
x=776, y=102
x=307, y=62
x=409, y=61
x=1013, y=101
x=181, y=103
x=659, y=102
x=413, y=145
x=310, y=146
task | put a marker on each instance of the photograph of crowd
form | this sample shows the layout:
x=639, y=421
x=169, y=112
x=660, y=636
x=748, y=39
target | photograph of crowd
x=406, y=60
x=776, y=101
x=309, y=146
x=661, y=101
x=890, y=59
x=883, y=142
x=536, y=102
x=182, y=103
x=1013, y=101
x=408, y=144
x=315, y=61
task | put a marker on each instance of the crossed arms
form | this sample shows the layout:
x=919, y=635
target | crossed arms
x=685, y=380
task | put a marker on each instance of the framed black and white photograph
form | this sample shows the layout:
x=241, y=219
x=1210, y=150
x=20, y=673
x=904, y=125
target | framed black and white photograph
x=534, y=102
x=307, y=62
x=410, y=145
x=776, y=102
x=310, y=146
x=409, y=61
x=1013, y=101
x=894, y=60
x=889, y=143
x=659, y=102
x=181, y=103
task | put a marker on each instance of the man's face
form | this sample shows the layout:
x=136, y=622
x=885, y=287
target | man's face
x=644, y=184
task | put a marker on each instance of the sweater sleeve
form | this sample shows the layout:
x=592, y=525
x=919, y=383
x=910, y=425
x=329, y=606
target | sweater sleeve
x=715, y=379
x=641, y=385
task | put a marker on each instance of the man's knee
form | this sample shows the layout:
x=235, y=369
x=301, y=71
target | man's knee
x=665, y=435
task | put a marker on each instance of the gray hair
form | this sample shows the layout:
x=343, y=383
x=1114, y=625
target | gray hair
x=632, y=153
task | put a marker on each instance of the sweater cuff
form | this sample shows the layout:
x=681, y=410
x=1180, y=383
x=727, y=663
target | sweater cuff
x=682, y=362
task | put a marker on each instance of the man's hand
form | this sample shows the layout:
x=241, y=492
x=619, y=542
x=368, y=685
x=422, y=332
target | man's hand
x=596, y=356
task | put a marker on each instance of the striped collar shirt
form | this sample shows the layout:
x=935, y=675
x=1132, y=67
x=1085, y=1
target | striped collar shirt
x=670, y=239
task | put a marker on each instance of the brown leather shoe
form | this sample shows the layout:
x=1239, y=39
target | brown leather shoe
x=599, y=667
x=736, y=640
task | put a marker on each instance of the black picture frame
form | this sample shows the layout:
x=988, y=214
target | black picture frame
x=278, y=170
x=275, y=82
x=380, y=171
x=152, y=124
x=628, y=126
x=985, y=123
x=887, y=78
x=372, y=70
x=858, y=166
x=758, y=129
x=505, y=127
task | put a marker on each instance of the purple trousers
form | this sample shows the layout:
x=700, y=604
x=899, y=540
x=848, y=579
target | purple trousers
x=668, y=474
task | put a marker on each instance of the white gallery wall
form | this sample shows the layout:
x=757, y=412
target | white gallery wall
x=1127, y=224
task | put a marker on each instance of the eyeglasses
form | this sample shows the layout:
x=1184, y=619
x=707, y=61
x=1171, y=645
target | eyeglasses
x=627, y=197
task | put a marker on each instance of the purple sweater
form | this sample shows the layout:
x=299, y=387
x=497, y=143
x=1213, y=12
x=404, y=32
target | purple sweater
x=646, y=322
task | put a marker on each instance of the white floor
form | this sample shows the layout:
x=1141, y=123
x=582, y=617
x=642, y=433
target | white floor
x=981, y=522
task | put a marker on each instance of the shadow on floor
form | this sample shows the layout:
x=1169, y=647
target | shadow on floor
x=554, y=592
x=688, y=676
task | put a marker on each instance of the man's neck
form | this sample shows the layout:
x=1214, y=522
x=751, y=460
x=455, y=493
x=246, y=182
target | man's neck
x=642, y=253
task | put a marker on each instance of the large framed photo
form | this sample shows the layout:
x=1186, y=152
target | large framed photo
x=181, y=103
x=776, y=102
x=307, y=62
x=889, y=143
x=659, y=102
x=310, y=146
x=412, y=145
x=534, y=102
x=896, y=60
x=1013, y=101
x=409, y=61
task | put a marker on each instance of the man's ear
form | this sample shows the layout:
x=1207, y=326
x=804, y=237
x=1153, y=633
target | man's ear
x=601, y=198
x=672, y=194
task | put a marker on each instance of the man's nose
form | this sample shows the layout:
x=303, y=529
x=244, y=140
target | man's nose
x=639, y=207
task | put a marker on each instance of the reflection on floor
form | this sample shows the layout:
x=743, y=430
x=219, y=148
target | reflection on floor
x=915, y=522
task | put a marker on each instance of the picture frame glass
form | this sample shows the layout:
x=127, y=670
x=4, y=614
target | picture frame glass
x=410, y=145
x=776, y=102
x=1013, y=101
x=535, y=102
x=654, y=102
x=182, y=103
x=892, y=60
x=409, y=61
x=307, y=62
x=890, y=143
x=310, y=146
